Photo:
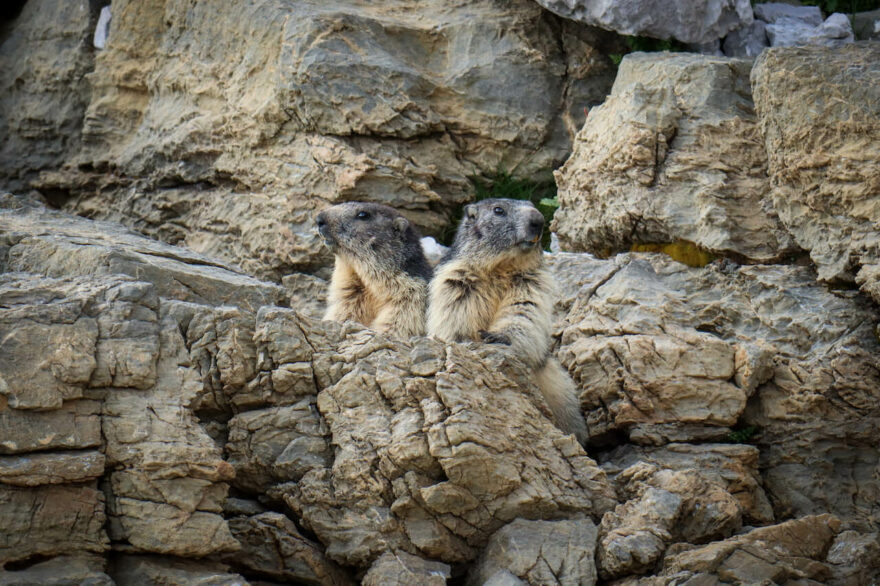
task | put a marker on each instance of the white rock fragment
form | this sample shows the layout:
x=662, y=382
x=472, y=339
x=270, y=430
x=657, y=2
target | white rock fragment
x=102, y=30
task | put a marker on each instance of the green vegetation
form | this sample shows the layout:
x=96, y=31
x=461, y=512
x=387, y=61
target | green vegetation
x=542, y=193
x=742, y=435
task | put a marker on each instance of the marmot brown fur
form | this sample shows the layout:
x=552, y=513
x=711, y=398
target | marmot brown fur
x=492, y=286
x=380, y=276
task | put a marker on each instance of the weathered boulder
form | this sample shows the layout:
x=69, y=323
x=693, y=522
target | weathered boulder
x=424, y=460
x=689, y=22
x=44, y=58
x=663, y=353
x=674, y=153
x=225, y=126
x=399, y=568
x=824, y=160
x=539, y=552
x=134, y=570
x=854, y=558
x=772, y=12
x=835, y=32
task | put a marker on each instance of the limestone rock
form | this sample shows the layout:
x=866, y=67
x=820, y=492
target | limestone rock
x=835, y=32
x=771, y=12
x=689, y=22
x=748, y=41
x=664, y=353
x=45, y=521
x=60, y=571
x=229, y=147
x=423, y=461
x=57, y=244
x=539, y=552
x=854, y=558
x=43, y=89
x=399, y=568
x=824, y=161
x=131, y=570
x=674, y=153
x=51, y=468
x=788, y=551
x=273, y=547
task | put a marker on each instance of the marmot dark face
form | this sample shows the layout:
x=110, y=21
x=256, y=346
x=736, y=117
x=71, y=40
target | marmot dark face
x=499, y=227
x=375, y=235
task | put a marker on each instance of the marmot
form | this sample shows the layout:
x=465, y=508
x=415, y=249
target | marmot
x=380, y=276
x=492, y=287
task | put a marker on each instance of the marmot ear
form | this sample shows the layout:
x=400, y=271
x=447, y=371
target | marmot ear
x=400, y=223
x=470, y=211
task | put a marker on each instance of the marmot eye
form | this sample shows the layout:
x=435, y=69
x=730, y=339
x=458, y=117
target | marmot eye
x=499, y=211
x=363, y=215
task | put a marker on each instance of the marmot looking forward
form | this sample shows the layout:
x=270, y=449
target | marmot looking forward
x=380, y=276
x=492, y=287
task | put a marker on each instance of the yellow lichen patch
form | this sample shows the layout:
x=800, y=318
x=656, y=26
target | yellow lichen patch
x=681, y=250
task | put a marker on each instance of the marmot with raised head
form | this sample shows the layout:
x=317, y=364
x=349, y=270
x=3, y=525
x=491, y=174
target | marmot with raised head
x=380, y=276
x=492, y=286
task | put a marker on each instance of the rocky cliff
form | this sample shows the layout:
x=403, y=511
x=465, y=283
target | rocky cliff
x=173, y=411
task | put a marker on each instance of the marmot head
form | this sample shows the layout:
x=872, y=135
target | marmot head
x=499, y=229
x=373, y=235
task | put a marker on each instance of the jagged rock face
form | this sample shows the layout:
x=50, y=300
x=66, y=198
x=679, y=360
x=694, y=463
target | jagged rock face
x=824, y=160
x=44, y=58
x=309, y=104
x=689, y=22
x=674, y=153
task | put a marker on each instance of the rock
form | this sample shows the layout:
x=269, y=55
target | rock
x=866, y=25
x=824, y=162
x=75, y=425
x=273, y=547
x=539, y=552
x=433, y=251
x=733, y=466
x=235, y=167
x=423, y=461
x=102, y=29
x=51, y=468
x=60, y=571
x=788, y=551
x=748, y=41
x=771, y=12
x=665, y=354
x=45, y=521
x=57, y=244
x=131, y=570
x=308, y=294
x=835, y=32
x=665, y=507
x=44, y=59
x=400, y=568
x=854, y=558
x=674, y=154
x=692, y=22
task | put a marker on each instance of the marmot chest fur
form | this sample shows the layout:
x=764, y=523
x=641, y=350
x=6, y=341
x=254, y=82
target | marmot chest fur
x=493, y=287
x=380, y=274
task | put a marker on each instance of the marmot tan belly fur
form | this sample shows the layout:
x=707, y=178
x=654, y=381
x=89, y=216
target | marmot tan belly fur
x=492, y=287
x=380, y=276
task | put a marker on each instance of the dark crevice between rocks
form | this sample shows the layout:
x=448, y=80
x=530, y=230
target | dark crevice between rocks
x=10, y=9
x=25, y=563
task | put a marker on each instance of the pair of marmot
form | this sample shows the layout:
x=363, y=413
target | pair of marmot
x=491, y=286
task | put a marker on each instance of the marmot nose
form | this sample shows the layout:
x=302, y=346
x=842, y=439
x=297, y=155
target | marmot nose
x=321, y=220
x=536, y=225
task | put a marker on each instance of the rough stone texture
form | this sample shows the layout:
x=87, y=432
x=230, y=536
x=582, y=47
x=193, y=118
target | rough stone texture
x=39, y=240
x=824, y=158
x=854, y=558
x=748, y=41
x=664, y=353
x=272, y=547
x=399, y=568
x=44, y=58
x=689, y=22
x=129, y=570
x=675, y=153
x=60, y=571
x=835, y=32
x=539, y=552
x=51, y=468
x=423, y=460
x=789, y=551
x=224, y=126
x=771, y=12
